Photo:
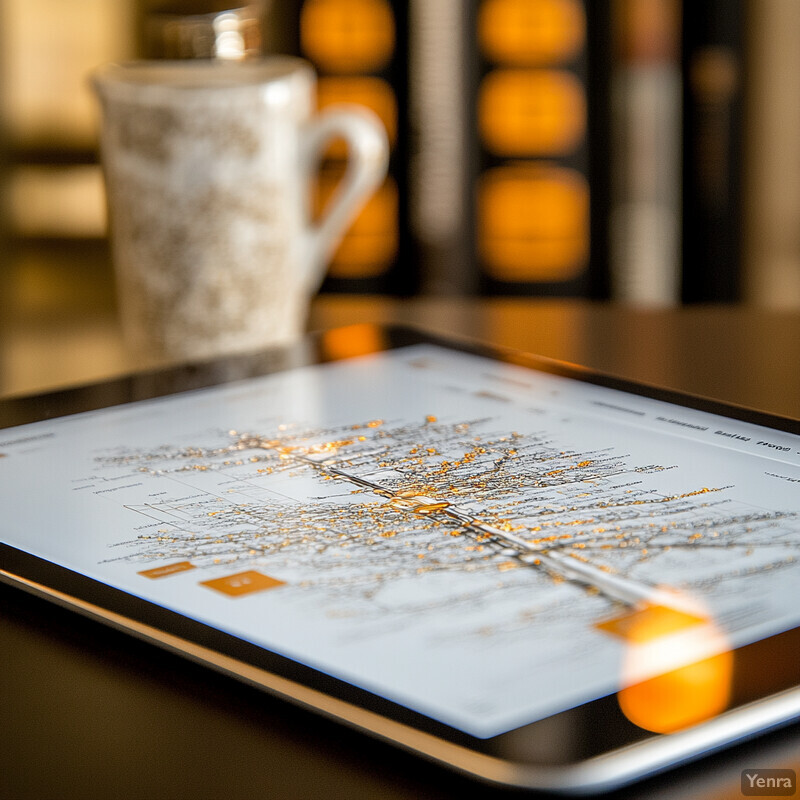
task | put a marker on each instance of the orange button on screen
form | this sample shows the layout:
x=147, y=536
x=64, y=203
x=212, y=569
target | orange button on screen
x=528, y=32
x=649, y=622
x=243, y=583
x=166, y=570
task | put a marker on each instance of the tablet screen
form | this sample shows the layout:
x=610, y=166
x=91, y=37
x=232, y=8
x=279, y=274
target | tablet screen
x=482, y=543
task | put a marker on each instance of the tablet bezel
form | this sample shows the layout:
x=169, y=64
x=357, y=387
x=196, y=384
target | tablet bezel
x=625, y=754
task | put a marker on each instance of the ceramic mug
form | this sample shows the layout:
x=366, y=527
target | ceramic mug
x=209, y=168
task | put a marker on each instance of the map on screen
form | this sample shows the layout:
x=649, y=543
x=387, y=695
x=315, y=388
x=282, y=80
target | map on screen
x=468, y=538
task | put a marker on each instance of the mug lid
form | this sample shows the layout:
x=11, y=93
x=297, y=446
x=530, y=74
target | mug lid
x=223, y=29
x=137, y=77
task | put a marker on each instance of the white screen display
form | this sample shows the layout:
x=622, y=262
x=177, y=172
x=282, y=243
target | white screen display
x=459, y=535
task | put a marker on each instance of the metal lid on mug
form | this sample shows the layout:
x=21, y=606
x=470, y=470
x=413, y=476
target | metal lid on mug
x=226, y=30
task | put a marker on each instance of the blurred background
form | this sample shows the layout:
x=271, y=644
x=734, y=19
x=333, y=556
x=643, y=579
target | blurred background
x=643, y=152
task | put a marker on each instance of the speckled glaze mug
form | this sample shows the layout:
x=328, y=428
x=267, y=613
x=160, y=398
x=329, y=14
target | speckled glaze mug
x=208, y=169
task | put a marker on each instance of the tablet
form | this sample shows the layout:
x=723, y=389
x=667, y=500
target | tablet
x=529, y=572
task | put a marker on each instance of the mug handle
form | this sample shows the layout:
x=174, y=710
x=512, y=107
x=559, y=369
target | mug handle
x=367, y=162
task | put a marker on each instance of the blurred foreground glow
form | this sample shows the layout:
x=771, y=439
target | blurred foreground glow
x=677, y=668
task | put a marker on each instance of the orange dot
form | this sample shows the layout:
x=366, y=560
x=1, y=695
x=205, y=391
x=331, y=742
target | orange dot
x=531, y=112
x=533, y=222
x=348, y=35
x=528, y=32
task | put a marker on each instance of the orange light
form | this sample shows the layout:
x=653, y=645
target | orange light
x=354, y=340
x=681, y=697
x=533, y=222
x=374, y=93
x=370, y=244
x=531, y=32
x=691, y=664
x=531, y=112
x=348, y=36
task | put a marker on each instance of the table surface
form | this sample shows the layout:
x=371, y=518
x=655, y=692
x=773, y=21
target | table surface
x=92, y=713
x=58, y=327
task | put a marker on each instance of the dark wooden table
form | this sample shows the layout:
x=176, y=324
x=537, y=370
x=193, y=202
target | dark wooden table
x=86, y=712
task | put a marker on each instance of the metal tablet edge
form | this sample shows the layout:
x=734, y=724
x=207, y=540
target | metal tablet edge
x=609, y=771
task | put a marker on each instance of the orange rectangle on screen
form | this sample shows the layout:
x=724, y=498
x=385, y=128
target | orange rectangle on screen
x=243, y=583
x=167, y=569
x=649, y=622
